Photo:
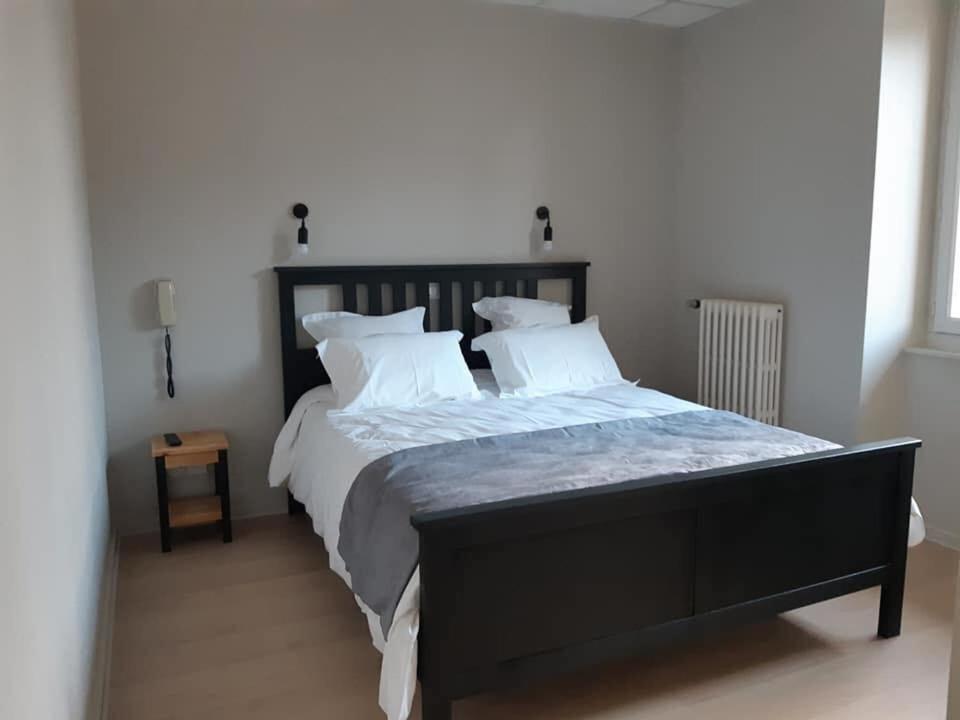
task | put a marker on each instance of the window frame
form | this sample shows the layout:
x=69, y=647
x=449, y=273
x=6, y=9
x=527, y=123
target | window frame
x=949, y=202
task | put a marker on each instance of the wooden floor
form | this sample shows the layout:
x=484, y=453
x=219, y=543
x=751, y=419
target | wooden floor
x=263, y=629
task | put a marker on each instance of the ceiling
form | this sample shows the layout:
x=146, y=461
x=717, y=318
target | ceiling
x=672, y=13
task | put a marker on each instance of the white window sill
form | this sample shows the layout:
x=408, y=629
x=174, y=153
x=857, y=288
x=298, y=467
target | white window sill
x=931, y=352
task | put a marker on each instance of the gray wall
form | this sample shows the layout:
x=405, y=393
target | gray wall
x=774, y=191
x=904, y=207
x=53, y=498
x=953, y=702
x=426, y=130
x=921, y=390
x=932, y=401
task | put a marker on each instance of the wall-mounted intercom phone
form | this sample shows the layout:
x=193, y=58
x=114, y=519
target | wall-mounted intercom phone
x=165, y=306
x=168, y=318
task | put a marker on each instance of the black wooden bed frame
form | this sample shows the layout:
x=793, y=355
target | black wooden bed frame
x=519, y=590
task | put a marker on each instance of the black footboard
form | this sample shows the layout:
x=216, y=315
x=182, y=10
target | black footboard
x=523, y=589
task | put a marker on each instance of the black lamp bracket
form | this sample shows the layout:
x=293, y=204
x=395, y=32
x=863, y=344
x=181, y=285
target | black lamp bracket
x=543, y=213
x=300, y=212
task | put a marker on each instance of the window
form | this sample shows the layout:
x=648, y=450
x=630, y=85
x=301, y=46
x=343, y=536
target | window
x=946, y=285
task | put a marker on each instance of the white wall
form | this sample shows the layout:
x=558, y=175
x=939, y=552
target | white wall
x=777, y=146
x=910, y=394
x=421, y=131
x=914, y=394
x=932, y=403
x=953, y=702
x=904, y=207
x=53, y=500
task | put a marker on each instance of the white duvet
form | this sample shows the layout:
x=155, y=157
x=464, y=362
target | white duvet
x=320, y=451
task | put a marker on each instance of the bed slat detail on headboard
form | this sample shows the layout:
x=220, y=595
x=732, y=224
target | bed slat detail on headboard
x=399, y=296
x=349, y=297
x=445, y=309
x=301, y=369
x=468, y=324
x=423, y=300
x=375, y=299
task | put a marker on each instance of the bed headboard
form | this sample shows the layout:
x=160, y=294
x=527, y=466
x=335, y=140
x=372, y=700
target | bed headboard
x=393, y=288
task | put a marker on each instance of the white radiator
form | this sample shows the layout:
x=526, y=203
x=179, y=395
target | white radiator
x=740, y=348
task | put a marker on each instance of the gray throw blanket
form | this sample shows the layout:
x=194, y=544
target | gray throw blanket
x=381, y=548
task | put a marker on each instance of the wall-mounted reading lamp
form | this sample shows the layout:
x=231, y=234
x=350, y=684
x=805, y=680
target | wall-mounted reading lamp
x=543, y=213
x=300, y=212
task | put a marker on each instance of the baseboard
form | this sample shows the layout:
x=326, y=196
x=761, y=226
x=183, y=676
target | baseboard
x=97, y=708
x=943, y=537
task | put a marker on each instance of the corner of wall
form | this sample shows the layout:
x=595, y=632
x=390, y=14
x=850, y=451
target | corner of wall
x=99, y=691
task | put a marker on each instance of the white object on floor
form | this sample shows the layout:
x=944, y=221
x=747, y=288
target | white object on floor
x=918, y=528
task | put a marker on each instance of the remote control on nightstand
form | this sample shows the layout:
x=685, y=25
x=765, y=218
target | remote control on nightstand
x=172, y=439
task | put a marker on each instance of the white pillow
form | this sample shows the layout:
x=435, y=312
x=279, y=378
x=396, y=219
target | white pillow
x=397, y=370
x=510, y=312
x=529, y=362
x=325, y=325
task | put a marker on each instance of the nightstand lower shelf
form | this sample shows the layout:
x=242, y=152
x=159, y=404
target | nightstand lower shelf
x=188, y=512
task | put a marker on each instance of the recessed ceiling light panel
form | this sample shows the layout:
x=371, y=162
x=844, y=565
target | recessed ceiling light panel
x=670, y=13
x=678, y=14
x=604, y=8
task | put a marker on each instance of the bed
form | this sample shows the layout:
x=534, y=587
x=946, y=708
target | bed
x=511, y=591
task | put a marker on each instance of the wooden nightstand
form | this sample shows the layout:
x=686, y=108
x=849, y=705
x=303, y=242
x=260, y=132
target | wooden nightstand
x=199, y=449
